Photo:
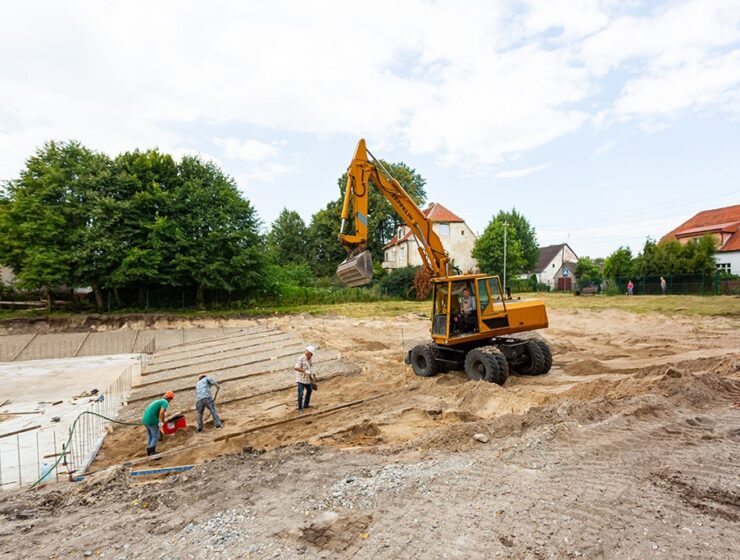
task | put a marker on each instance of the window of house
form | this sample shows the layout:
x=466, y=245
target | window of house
x=462, y=232
x=402, y=254
x=444, y=229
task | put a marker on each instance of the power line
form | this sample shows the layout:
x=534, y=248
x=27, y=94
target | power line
x=646, y=213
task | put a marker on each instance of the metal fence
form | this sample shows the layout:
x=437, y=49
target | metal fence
x=64, y=450
x=676, y=284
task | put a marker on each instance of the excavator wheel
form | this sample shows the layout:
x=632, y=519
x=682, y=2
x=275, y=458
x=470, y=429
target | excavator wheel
x=503, y=366
x=547, y=355
x=534, y=363
x=423, y=361
x=484, y=363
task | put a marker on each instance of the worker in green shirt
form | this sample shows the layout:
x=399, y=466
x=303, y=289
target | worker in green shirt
x=154, y=418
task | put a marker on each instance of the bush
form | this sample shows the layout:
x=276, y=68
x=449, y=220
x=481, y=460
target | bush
x=400, y=282
x=279, y=276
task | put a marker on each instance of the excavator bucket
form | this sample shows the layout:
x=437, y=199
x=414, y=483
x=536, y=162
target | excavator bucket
x=357, y=270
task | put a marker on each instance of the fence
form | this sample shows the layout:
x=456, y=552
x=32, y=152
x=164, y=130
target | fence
x=65, y=449
x=699, y=284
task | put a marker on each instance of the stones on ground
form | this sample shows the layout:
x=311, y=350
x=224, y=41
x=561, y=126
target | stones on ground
x=483, y=438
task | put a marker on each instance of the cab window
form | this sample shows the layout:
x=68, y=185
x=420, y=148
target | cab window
x=439, y=322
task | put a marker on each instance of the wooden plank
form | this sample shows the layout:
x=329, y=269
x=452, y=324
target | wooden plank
x=19, y=431
x=30, y=340
x=82, y=342
x=163, y=470
x=133, y=344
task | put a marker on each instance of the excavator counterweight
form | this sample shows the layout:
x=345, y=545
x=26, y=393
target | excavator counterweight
x=357, y=270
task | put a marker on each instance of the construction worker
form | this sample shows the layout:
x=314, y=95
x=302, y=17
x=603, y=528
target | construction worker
x=304, y=378
x=153, y=420
x=203, y=400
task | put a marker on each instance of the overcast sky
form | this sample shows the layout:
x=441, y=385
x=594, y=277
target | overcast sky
x=603, y=122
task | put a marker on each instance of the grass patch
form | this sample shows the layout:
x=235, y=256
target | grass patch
x=705, y=306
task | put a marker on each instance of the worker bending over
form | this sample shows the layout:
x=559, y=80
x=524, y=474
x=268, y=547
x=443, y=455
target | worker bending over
x=304, y=377
x=203, y=400
x=153, y=420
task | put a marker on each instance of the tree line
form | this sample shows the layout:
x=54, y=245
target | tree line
x=143, y=220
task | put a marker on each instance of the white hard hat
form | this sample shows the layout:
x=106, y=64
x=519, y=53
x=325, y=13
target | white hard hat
x=311, y=349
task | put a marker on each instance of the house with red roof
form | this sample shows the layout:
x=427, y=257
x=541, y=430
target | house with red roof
x=455, y=234
x=721, y=223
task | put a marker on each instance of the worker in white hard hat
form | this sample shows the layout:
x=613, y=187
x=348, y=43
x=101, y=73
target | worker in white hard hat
x=305, y=378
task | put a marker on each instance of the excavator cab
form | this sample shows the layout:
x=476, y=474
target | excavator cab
x=452, y=322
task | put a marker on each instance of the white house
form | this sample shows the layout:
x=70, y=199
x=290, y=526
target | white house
x=721, y=223
x=456, y=236
x=556, y=267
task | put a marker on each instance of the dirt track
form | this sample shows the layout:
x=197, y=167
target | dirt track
x=627, y=449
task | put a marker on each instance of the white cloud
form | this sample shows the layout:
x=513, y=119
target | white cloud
x=473, y=83
x=246, y=150
x=523, y=172
x=604, y=148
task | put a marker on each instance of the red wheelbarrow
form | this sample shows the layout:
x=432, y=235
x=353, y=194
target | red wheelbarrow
x=175, y=423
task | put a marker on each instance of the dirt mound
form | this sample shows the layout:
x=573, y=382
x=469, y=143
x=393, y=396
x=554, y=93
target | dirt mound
x=586, y=367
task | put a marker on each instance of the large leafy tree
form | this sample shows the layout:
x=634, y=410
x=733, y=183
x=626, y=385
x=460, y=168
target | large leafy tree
x=521, y=245
x=287, y=240
x=145, y=228
x=383, y=221
x=49, y=217
x=695, y=257
x=218, y=245
x=324, y=248
x=76, y=218
x=488, y=250
x=619, y=263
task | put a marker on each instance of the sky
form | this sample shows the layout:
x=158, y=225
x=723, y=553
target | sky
x=603, y=122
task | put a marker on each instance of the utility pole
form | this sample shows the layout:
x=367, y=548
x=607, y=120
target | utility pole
x=506, y=227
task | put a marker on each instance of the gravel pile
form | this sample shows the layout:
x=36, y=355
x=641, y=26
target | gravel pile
x=364, y=490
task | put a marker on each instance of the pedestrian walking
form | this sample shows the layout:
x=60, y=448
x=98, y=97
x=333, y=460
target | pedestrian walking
x=204, y=399
x=153, y=420
x=630, y=287
x=663, y=285
x=304, y=378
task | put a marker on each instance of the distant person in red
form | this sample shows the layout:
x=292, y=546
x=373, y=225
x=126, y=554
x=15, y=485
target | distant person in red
x=630, y=287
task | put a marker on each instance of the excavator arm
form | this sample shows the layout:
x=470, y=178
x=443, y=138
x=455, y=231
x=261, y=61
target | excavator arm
x=357, y=269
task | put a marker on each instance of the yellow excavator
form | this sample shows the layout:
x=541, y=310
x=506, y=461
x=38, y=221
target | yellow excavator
x=472, y=323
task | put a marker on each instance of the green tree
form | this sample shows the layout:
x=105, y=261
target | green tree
x=383, y=221
x=619, y=263
x=324, y=248
x=218, y=245
x=587, y=272
x=287, y=241
x=147, y=235
x=488, y=250
x=48, y=217
x=520, y=228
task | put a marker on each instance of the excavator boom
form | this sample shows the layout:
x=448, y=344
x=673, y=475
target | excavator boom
x=357, y=269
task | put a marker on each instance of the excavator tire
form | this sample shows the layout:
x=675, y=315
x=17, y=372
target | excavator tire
x=534, y=364
x=547, y=355
x=423, y=361
x=483, y=363
x=503, y=367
